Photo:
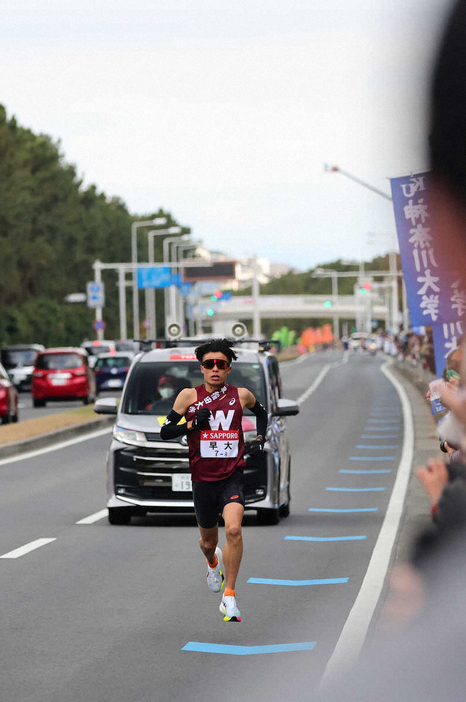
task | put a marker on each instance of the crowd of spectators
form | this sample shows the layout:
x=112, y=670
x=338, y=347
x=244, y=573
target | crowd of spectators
x=414, y=347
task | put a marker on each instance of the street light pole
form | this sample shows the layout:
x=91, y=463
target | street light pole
x=98, y=310
x=179, y=248
x=392, y=259
x=337, y=169
x=256, y=320
x=134, y=260
x=170, y=299
x=150, y=292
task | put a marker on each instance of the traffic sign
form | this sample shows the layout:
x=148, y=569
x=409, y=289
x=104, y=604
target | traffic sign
x=98, y=324
x=95, y=294
x=154, y=277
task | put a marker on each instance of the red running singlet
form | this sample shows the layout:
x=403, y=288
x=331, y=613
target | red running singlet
x=216, y=452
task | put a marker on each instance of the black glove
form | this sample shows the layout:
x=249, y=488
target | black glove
x=256, y=448
x=201, y=418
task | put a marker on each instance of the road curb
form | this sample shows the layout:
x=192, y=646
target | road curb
x=53, y=437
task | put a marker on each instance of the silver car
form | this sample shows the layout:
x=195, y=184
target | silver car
x=146, y=474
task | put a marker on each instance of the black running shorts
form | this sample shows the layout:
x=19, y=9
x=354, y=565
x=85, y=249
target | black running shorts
x=210, y=497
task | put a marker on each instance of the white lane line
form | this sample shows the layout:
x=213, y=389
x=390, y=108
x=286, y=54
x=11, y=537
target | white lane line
x=55, y=447
x=295, y=361
x=354, y=632
x=302, y=398
x=97, y=516
x=27, y=548
x=307, y=393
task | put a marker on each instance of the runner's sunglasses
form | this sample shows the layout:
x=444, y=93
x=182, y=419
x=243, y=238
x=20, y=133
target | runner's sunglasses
x=210, y=362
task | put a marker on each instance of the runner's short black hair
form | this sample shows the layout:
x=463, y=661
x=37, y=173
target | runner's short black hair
x=216, y=346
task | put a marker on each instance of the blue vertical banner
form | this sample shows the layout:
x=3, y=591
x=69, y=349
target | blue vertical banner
x=445, y=337
x=434, y=297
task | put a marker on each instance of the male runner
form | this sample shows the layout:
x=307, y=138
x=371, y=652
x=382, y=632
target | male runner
x=216, y=446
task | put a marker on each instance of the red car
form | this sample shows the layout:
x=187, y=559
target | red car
x=8, y=398
x=62, y=374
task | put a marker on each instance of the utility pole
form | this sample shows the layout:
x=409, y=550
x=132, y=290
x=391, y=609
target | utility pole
x=256, y=320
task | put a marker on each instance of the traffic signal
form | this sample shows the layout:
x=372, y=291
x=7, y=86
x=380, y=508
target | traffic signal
x=216, y=296
x=210, y=312
x=366, y=287
x=327, y=303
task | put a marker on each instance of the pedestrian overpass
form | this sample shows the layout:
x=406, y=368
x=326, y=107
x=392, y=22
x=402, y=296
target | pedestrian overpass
x=362, y=308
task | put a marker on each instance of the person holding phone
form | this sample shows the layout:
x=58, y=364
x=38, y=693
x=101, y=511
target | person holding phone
x=213, y=414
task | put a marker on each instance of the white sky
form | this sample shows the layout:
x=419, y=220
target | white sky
x=224, y=113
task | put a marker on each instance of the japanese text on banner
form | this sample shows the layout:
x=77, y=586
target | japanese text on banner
x=434, y=297
x=445, y=337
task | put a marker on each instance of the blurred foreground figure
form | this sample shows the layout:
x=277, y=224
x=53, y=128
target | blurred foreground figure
x=447, y=142
x=425, y=660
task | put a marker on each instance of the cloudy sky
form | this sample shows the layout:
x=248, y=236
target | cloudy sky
x=224, y=113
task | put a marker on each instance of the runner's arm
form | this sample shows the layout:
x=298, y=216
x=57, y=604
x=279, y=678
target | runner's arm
x=248, y=400
x=171, y=428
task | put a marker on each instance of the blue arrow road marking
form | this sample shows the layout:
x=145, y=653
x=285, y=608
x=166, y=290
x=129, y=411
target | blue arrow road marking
x=338, y=489
x=379, y=436
x=201, y=647
x=384, y=415
x=380, y=428
x=375, y=446
x=365, y=509
x=392, y=422
x=362, y=471
x=297, y=583
x=371, y=458
x=324, y=538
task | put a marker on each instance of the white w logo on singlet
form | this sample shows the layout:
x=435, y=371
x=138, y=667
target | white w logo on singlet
x=219, y=420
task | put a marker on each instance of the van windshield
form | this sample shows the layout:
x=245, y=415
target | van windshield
x=152, y=387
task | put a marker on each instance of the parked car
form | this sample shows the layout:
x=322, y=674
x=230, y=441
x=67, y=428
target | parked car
x=111, y=370
x=145, y=474
x=62, y=374
x=95, y=348
x=8, y=398
x=18, y=360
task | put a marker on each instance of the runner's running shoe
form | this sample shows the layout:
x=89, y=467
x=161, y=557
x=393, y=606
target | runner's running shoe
x=215, y=577
x=229, y=609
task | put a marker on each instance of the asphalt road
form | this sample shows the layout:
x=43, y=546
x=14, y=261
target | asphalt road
x=27, y=411
x=104, y=613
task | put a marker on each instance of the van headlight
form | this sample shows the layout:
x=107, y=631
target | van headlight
x=129, y=436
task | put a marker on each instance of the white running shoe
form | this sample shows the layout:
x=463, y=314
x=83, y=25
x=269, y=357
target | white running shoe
x=229, y=609
x=215, y=577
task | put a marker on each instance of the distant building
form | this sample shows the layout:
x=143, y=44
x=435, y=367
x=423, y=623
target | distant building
x=244, y=269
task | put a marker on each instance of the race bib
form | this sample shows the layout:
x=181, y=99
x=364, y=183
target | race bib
x=219, y=444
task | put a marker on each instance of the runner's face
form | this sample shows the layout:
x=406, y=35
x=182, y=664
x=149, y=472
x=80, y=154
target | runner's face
x=215, y=376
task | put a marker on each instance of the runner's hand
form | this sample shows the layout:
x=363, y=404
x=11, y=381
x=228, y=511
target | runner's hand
x=255, y=448
x=201, y=418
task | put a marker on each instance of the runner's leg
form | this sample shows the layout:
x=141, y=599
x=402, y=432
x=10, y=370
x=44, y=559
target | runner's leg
x=233, y=550
x=208, y=542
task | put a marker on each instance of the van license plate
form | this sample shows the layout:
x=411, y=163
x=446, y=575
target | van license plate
x=182, y=482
